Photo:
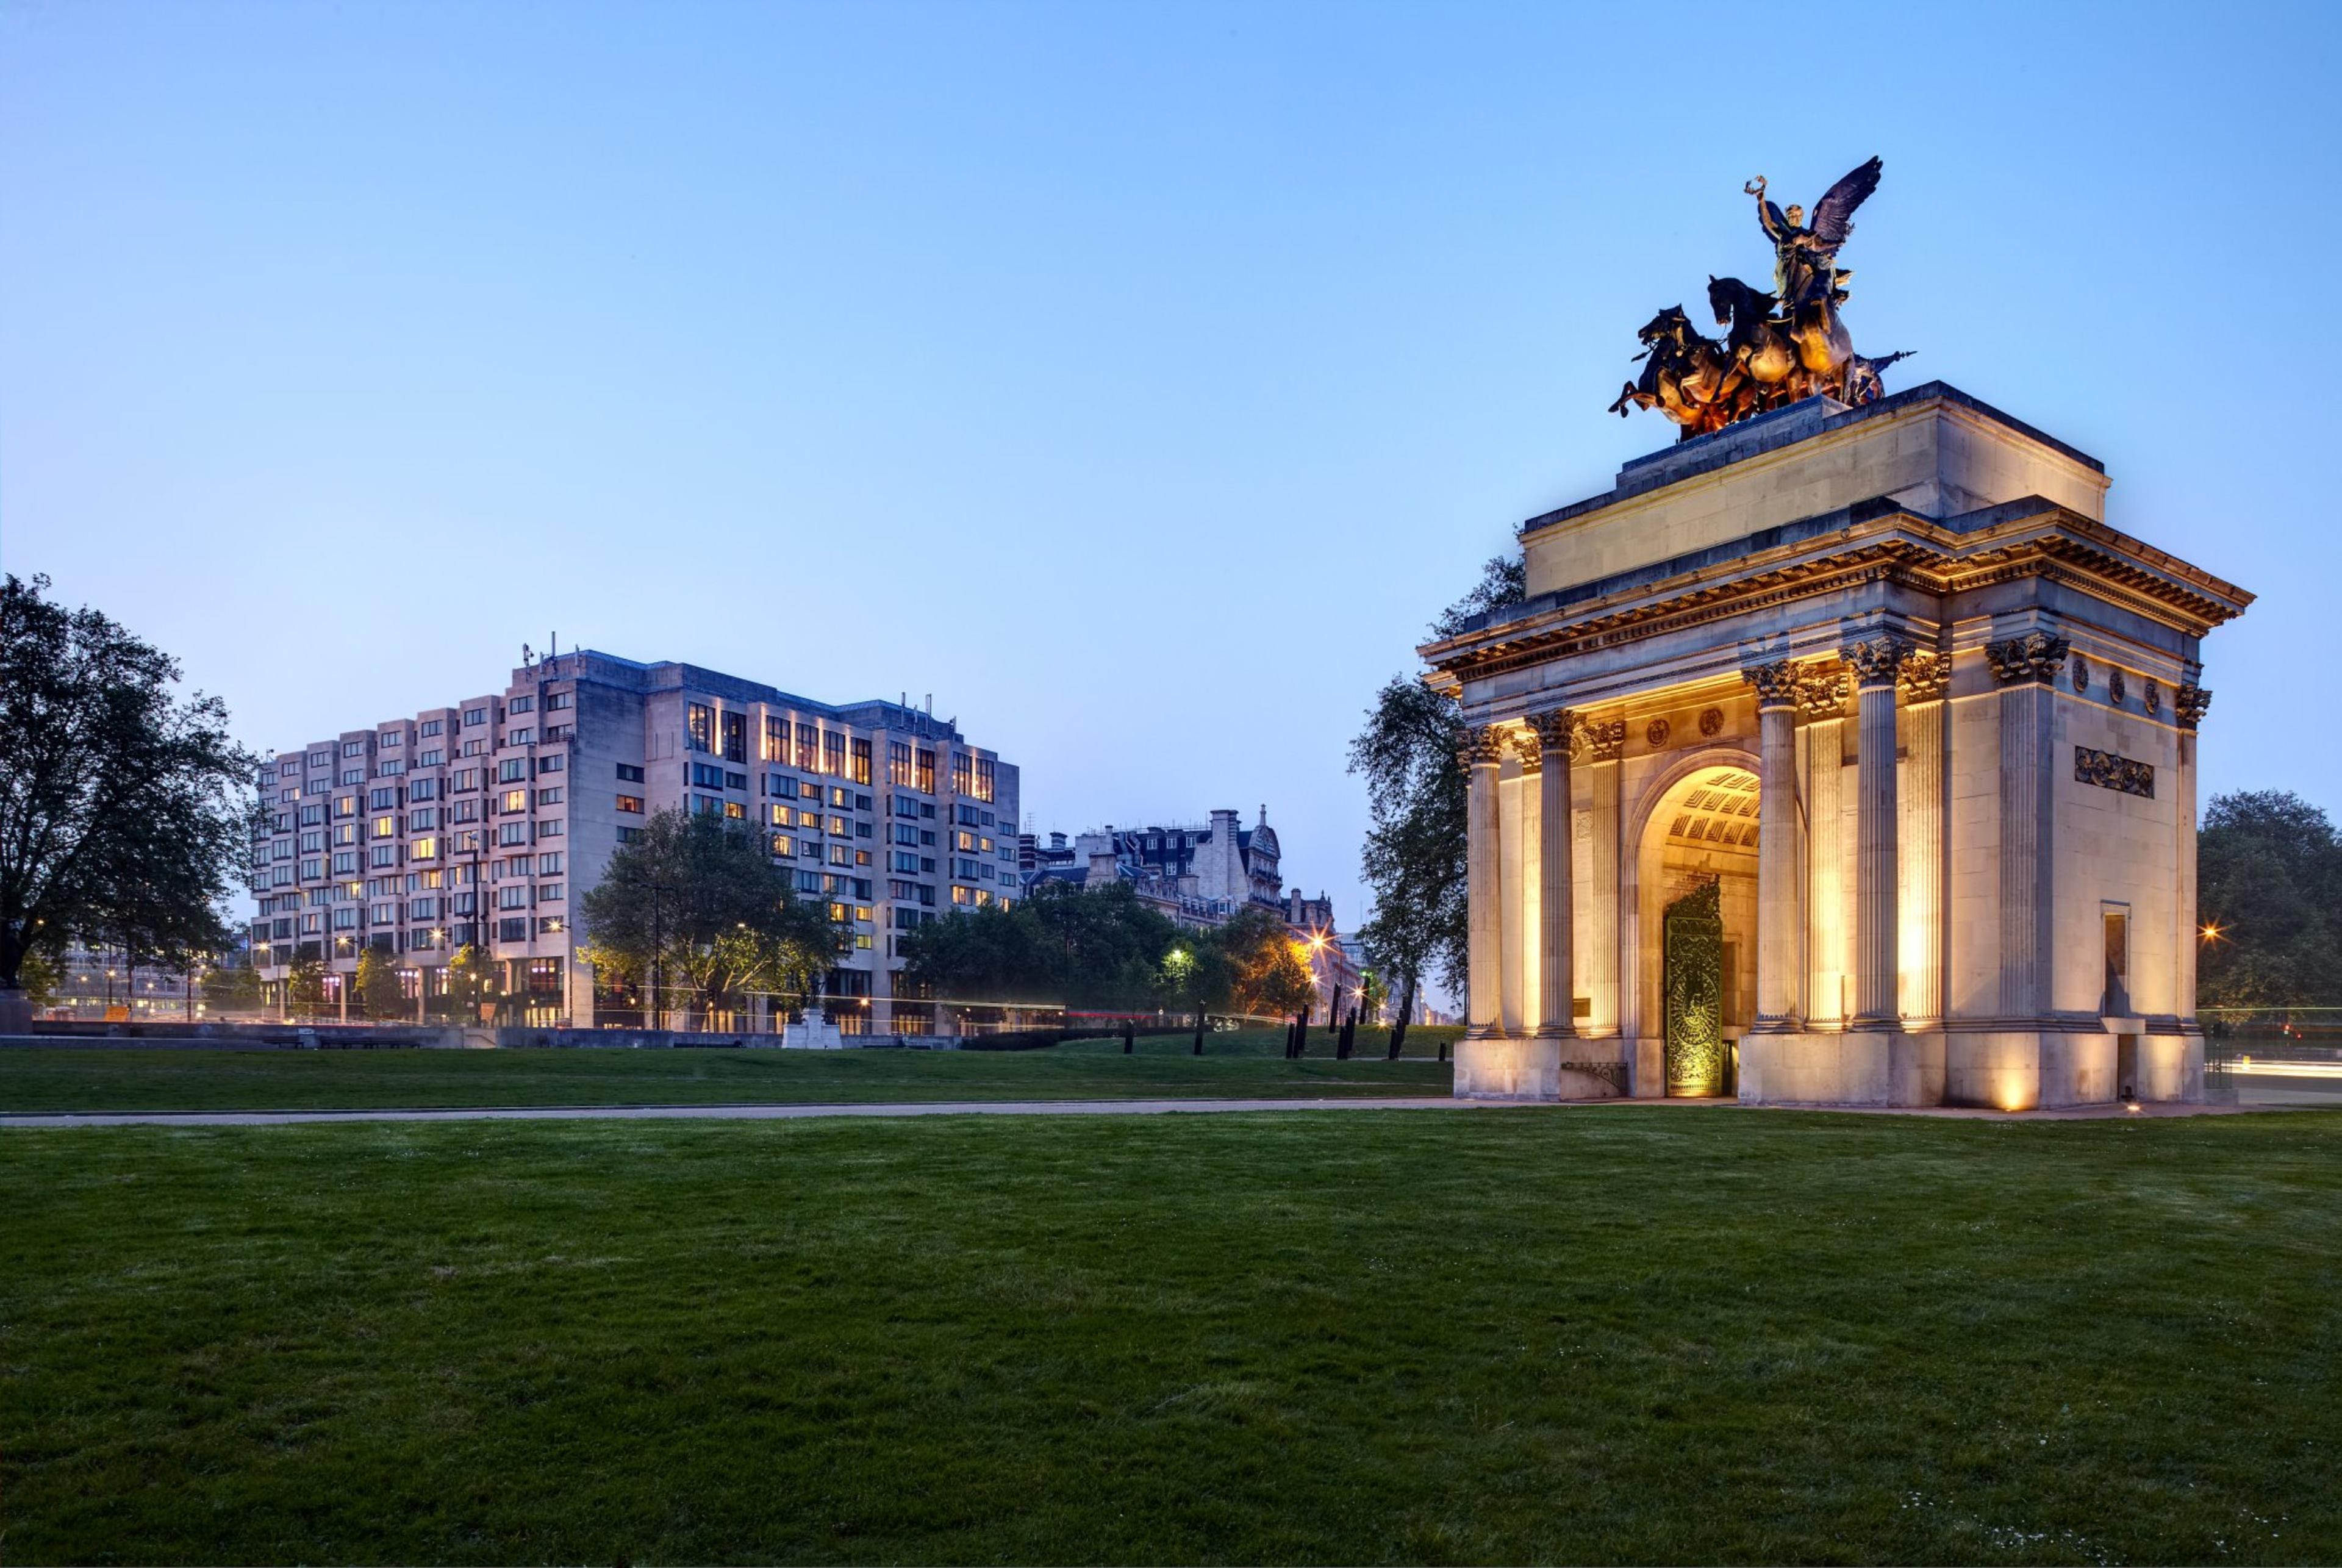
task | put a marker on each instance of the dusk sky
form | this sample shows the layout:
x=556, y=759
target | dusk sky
x=1138, y=380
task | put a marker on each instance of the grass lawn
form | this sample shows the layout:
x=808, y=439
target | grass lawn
x=1654, y=1334
x=1241, y=1064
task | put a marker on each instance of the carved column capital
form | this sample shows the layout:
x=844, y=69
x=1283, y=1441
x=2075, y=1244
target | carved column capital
x=1554, y=728
x=1604, y=742
x=2033, y=659
x=1775, y=682
x=2188, y=704
x=1822, y=696
x=1530, y=749
x=1483, y=746
x=1875, y=660
x=1924, y=676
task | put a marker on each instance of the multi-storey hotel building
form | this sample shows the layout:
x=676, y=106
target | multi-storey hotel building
x=483, y=822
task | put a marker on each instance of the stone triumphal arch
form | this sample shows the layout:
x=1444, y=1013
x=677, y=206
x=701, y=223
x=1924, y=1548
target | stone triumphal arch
x=1844, y=756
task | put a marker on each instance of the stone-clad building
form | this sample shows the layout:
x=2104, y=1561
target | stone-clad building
x=483, y=822
x=1843, y=755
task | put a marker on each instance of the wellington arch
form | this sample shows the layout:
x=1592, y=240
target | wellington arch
x=1844, y=756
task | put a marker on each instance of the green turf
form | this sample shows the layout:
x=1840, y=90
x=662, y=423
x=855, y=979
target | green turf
x=1241, y=1064
x=1654, y=1334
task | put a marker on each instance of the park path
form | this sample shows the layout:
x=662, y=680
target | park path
x=728, y=1113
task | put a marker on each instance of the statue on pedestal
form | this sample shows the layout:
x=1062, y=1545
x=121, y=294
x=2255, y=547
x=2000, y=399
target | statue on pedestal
x=1783, y=345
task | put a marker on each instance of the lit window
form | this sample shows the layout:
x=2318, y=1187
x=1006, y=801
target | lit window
x=701, y=721
x=384, y=826
x=783, y=845
x=963, y=895
x=516, y=800
x=424, y=849
x=631, y=803
x=735, y=810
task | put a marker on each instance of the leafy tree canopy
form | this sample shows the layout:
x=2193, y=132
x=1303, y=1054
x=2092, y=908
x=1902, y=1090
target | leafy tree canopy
x=696, y=901
x=2268, y=880
x=1082, y=947
x=126, y=812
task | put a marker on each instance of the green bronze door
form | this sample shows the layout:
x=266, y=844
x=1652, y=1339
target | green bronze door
x=1692, y=976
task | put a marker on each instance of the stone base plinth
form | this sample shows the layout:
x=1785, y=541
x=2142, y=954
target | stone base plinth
x=1526, y=1067
x=2024, y=1070
x=1855, y=1067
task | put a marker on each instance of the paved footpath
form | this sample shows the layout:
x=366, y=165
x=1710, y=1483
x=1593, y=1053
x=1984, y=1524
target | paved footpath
x=727, y=1113
x=1021, y=1108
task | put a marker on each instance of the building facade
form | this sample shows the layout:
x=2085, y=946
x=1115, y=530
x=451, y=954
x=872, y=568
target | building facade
x=1845, y=755
x=481, y=822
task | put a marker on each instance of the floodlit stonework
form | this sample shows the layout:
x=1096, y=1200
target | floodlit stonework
x=1885, y=681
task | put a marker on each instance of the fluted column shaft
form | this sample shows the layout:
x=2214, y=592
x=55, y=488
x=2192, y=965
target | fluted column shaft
x=1920, y=854
x=1877, y=950
x=2024, y=668
x=1780, y=913
x=1484, y=946
x=1556, y=913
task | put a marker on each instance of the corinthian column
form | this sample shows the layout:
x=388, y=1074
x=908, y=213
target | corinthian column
x=1875, y=660
x=1556, y=916
x=1780, y=917
x=1920, y=852
x=1484, y=951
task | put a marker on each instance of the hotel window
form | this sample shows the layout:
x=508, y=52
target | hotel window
x=808, y=748
x=963, y=779
x=735, y=810
x=983, y=778
x=556, y=701
x=512, y=770
x=925, y=782
x=701, y=723
x=353, y=777
x=550, y=829
x=475, y=716
x=390, y=738
x=628, y=834
x=381, y=799
x=839, y=854
x=776, y=741
x=521, y=705
x=516, y=800
x=964, y=841
x=422, y=909
x=840, y=828
x=861, y=769
x=345, y=919
x=906, y=863
x=781, y=816
x=905, y=834
x=385, y=827
x=430, y=727
x=515, y=896
x=783, y=845
x=552, y=763
x=549, y=864
x=424, y=820
x=383, y=855
x=512, y=832
x=354, y=748
x=707, y=805
x=424, y=849
x=312, y=842
x=705, y=775
x=474, y=748
x=520, y=737
x=465, y=811
x=833, y=752
x=311, y=870
x=422, y=789
x=735, y=739
x=898, y=763
x=631, y=803
x=811, y=819
x=629, y=773
x=549, y=796
x=431, y=759
x=346, y=862
x=809, y=848
x=550, y=891
x=963, y=896
x=808, y=882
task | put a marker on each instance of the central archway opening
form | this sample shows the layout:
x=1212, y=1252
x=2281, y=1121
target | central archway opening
x=1698, y=914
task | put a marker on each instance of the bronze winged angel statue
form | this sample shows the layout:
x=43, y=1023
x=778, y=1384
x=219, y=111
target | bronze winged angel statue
x=1785, y=345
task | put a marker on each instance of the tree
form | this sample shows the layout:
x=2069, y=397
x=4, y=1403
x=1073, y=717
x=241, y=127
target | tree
x=1098, y=947
x=2268, y=870
x=1415, y=858
x=377, y=987
x=472, y=979
x=1254, y=965
x=125, y=813
x=695, y=904
x=231, y=989
x=305, y=987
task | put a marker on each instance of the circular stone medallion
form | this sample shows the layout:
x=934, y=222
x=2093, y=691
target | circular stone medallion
x=2081, y=673
x=2114, y=686
x=1711, y=721
x=1656, y=733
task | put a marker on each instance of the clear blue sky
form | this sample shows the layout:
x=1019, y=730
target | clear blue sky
x=1136, y=379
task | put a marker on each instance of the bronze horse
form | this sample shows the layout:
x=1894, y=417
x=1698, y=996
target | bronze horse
x=1759, y=344
x=1689, y=378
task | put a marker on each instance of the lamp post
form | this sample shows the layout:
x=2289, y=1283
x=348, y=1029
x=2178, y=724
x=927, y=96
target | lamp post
x=652, y=976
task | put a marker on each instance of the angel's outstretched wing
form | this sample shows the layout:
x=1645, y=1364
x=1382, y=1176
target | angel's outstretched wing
x=1834, y=213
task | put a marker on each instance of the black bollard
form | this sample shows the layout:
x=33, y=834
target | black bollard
x=1300, y=1035
x=1199, y=1035
x=1127, y=1037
